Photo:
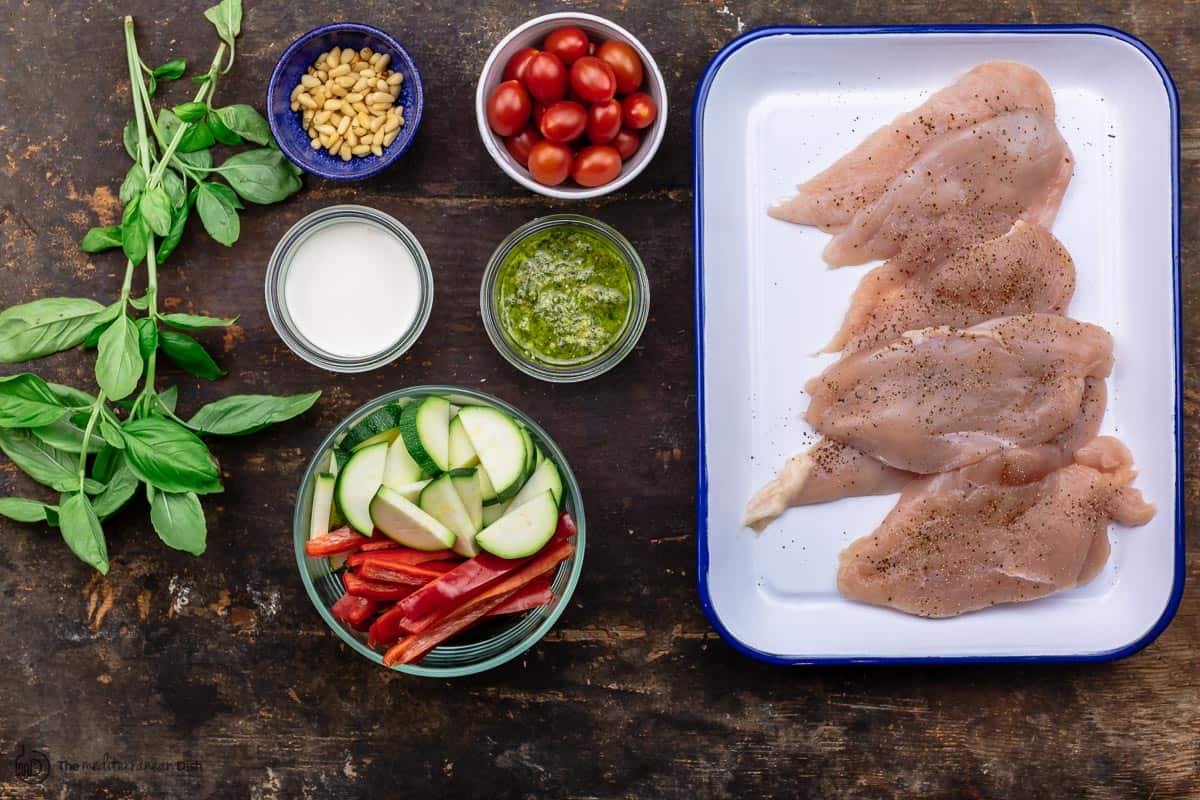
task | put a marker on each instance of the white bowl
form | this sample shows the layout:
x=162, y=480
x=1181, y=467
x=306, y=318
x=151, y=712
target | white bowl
x=531, y=34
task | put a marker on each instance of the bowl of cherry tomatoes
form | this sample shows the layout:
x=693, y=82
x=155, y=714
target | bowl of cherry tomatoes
x=571, y=105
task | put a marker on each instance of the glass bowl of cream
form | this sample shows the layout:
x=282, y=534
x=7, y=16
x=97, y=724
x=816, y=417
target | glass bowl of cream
x=349, y=288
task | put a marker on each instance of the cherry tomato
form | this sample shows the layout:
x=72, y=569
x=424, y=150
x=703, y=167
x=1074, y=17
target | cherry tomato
x=627, y=143
x=564, y=121
x=596, y=165
x=508, y=108
x=514, y=70
x=604, y=122
x=593, y=80
x=625, y=64
x=550, y=163
x=520, y=144
x=546, y=78
x=539, y=111
x=639, y=111
x=569, y=44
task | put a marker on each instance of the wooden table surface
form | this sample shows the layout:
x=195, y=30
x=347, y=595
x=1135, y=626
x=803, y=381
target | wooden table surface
x=214, y=677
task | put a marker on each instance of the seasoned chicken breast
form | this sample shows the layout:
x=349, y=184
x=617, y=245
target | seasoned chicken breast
x=833, y=197
x=831, y=470
x=941, y=398
x=964, y=187
x=1013, y=527
x=1024, y=271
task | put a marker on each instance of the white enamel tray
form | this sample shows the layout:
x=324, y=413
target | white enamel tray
x=776, y=106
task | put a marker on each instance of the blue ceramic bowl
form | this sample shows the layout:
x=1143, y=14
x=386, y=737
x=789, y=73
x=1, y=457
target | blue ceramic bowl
x=286, y=124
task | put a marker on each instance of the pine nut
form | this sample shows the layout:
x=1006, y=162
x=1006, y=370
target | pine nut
x=345, y=81
x=354, y=97
x=327, y=129
x=333, y=104
x=335, y=143
x=339, y=91
x=360, y=150
x=360, y=108
x=296, y=92
x=388, y=138
x=348, y=56
x=376, y=123
x=321, y=117
x=393, y=123
x=395, y=79
x=343, y=126
x=376, y=150
x=345, y=152
x=334, y=56
x=309, y=82
x=295, y=106
x=307, y=101
x=383, y=62
x=339, y=70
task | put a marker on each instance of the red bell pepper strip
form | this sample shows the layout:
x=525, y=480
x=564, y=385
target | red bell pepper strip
x=397, y=555
x=385, y=630
x=405, y=573
x=536, y=594
x=377, y=544
x=343, y=540
x=375, y=590
x=354, y=611
x=434, y=632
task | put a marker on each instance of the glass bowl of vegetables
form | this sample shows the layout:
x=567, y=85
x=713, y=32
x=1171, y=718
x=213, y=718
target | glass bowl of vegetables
x=571, y=105
x=565, y=298
x=439, y=531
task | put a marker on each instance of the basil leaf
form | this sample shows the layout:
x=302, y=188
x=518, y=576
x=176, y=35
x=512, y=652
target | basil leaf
x=243, y=414
x=218, y=214
x=67, y=436
x=93, y=338
x=189, y=355
x=70, y=395
x=195, y=322
x=174, y=187
x=147, y=336
x=226, y=17
x=190, y=111
x=119, y=363
x=202, y=159
x=132, y=186
x=178, y=518
x=27, y=402
x=168, y=123
x=122, y=484
x=178, y=223
x=261, y=176
x=21, y=510
x=156, y=210
x=47, y=465
x=98, y=239
x=198, y=136
x=243, y=120
x=105, y=464
x=33, y=330
x=82, y=532
x=221, y=132
x=172, y=70
x=112, y=435
x=129, y=137
x=229, y=194
x=169, y=456
x=169, y=397
x=135, y=234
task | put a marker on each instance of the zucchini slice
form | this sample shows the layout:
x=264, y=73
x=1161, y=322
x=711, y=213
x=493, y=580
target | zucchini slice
x=466, y=483
x=357, y=484
x=501, y=446
x=404, y=522
x=462, y=454
x=522, y=531
x=400, y=469
x=425, y=429
x=441, y=501
x=322, y=505
x=544, y=478
x=377, y=422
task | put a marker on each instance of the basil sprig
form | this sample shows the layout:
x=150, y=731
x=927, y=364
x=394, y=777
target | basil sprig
x=97, y=450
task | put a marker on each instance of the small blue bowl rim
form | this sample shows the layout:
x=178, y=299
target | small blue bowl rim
x=398, y=148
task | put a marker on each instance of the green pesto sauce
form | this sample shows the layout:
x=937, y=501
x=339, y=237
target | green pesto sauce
x=564, y=295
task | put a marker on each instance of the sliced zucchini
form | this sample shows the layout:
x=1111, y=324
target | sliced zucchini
x=441, y=501
x=378, y=421
x=404, y=522
x=400, y=468
x=462, y=454
x=501, y=447
x=486, y=489
x=466, y=483
x=494, y=512
x=530, y=452
x=522, y=531
x=425, y=428
x=322, y=505
x=545, y=478
x=387, y=436
x=357, y=484
x=410, y=491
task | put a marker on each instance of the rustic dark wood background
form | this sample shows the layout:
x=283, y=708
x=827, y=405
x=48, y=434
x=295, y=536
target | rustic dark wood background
x=221, y=662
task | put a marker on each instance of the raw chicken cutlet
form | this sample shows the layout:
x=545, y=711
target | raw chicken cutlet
x=941, y=398
x=964, y=187
x=831, y=470
x=834, y=196
x=1024, y=271
x=1014, y=527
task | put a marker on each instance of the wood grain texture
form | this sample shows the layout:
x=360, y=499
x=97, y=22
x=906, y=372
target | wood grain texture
x=221, y=662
